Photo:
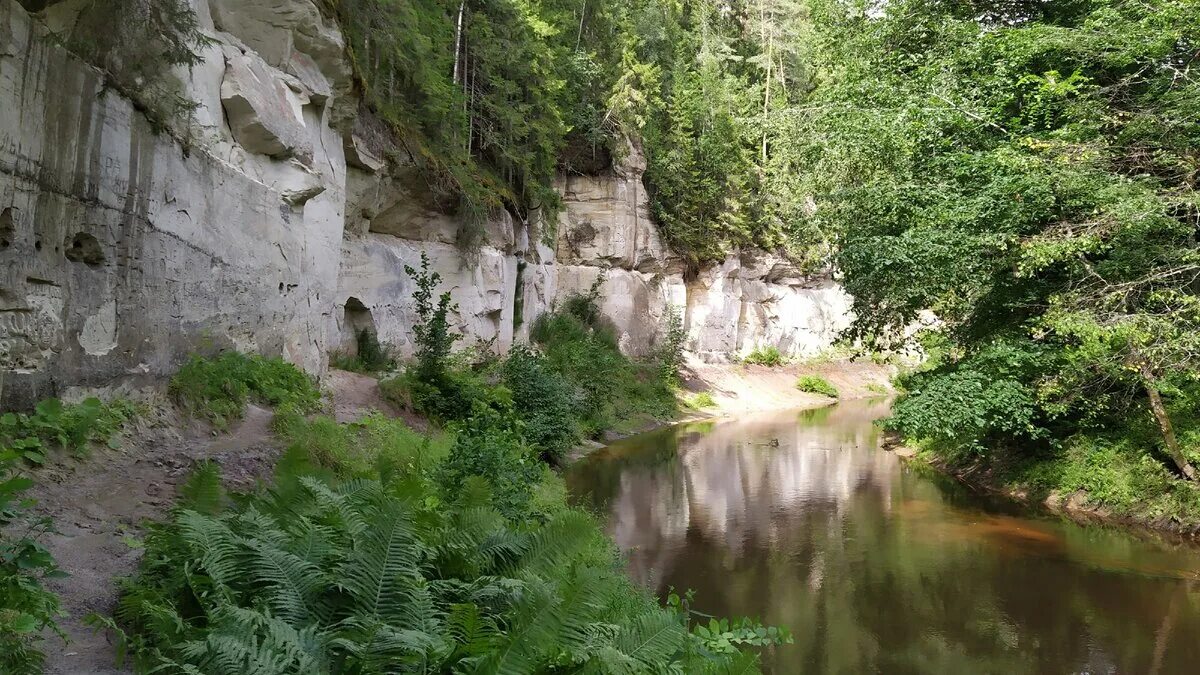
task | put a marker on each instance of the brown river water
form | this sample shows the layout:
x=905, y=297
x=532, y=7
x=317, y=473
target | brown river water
x=800, y=519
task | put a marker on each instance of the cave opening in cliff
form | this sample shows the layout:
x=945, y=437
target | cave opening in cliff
x=7, y=231
x=356, y=321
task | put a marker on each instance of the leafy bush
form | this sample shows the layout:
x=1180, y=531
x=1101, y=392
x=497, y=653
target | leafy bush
x=543, y=400
x=27, y=608
x=764, y=356
x=816, y=384
x=580, y=343
x=701, y=400
x=69, y=426
x=399, y=573
x=370, y=356
x=217, y=388
x=963, y=405
x=489, y=448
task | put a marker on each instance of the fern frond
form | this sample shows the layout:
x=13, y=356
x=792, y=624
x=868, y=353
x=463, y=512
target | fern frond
x=291, y=582
x=382, y=576
x=202, y=491
x=336, y=508
x=212, y=543
x=652, y=638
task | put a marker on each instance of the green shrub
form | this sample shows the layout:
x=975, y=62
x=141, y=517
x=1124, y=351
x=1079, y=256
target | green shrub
x=217, y=388
x=960, y=406
x=764, y=356
x=543, y=400
x=370, y=356
x=580, y=343
x=815, y=384
x=27, y=607
x=71, y=426
x=489, y=448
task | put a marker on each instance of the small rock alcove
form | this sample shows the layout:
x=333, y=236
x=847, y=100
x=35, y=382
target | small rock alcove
x=357, y=318
x=7, y=231
x=84, y=248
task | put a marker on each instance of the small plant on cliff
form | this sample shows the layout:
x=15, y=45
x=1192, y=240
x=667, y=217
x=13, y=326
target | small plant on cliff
x=438, y=384
x=669, y=352
x=218, y=388
x=432, y=333
x=765, y=356
x=815, y=384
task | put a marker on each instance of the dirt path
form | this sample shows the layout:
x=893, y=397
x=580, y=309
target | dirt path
x=99, y=505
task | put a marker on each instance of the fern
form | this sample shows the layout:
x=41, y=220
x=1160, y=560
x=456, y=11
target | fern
x=326, y=576
x=202, y=491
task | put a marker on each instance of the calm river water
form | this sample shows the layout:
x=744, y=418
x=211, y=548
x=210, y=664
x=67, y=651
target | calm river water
x=800, y=519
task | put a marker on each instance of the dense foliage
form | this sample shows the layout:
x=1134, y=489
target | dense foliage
x=1028, y=172
x=571, y=381
x=495, y=97
x=218, y=388
x=612, y=390
x=377, y=550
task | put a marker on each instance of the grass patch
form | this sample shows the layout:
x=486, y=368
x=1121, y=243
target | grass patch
x=764, y=356
x=700, y=401
x=877, y=389
x=815, y=384
x=218, y=388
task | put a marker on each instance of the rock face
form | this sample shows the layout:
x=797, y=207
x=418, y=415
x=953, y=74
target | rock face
x=752, y=299
x=279, y=228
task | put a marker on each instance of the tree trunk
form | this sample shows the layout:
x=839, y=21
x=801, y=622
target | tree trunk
x=462, y=5
x=1164, y=423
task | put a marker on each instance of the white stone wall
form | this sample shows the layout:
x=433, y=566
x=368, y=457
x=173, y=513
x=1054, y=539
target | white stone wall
x=221, y=244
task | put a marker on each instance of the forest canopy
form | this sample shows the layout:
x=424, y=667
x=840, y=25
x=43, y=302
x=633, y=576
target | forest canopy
x=1028, y=172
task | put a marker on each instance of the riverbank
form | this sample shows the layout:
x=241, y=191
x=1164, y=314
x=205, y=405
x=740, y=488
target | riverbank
x=1172, y=509
x=734, y=389
x=738, y=388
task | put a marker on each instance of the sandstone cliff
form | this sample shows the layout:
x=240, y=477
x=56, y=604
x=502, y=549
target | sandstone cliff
x=271, y=222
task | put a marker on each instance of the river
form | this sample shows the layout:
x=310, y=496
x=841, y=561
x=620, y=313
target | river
x=800, y=519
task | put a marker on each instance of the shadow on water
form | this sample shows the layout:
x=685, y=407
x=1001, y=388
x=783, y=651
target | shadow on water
x=800, y=519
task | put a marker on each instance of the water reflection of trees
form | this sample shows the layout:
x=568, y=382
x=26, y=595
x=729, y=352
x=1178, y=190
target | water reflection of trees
x=876, y=570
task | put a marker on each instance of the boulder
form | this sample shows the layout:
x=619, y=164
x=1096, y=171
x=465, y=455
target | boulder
x=263, y=112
